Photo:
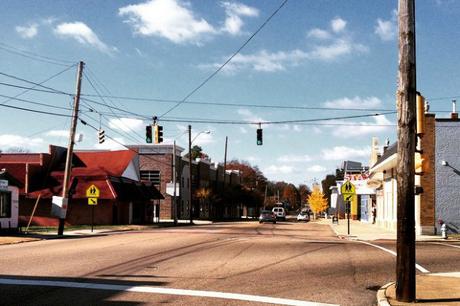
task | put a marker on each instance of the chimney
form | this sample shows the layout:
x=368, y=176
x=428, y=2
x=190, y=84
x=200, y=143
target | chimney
x=386, y=145
x=454, y=114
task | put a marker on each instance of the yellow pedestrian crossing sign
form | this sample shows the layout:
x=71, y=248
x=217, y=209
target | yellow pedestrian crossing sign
x=348, y=189
x=92, y=192
x=92, y=201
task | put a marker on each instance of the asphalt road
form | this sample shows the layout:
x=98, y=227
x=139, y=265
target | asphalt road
x=283, y=263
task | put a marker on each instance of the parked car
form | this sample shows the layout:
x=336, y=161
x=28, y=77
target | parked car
x=303, y=216
x=267, y=216
x=279, y=212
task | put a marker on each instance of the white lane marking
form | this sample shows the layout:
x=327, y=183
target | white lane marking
x=170, y=291
x=419, y=267
x=448, y=274
x=446, y=244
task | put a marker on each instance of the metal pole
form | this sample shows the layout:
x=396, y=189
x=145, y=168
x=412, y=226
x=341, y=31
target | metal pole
x=190, y=172
x=174, y=183
x=405, y=169
x=73, y=127
x=348, y=215
x=92, y=217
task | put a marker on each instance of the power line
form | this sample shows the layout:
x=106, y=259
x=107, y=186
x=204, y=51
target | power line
x=227, y=61
x=33, y=83
x=35, y=111
x=34, y=102
x=34, y=56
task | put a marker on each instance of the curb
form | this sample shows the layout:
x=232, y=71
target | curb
x=381, y=295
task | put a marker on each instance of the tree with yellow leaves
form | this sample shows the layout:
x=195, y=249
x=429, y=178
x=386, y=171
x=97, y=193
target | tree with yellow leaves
x=317, y=201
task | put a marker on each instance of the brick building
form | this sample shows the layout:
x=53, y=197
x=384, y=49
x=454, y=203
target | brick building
x=437, y=164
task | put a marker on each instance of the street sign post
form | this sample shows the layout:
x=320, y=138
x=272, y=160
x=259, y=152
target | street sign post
x=348, y=191
x=92, y=193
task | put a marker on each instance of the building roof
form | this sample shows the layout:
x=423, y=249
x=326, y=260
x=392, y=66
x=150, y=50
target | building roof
x=112, y=163
x=388, y=156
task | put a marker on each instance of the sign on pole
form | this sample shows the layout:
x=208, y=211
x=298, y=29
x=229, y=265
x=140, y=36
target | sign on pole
x=92, y=192
x=3, y=185
x=92, y=201
x=348, y=191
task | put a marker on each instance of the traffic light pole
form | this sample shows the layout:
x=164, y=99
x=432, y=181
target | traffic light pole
x=73, y=128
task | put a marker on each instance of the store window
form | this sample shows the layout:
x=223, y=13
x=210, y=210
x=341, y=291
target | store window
x=151, y=176
x=5, y=204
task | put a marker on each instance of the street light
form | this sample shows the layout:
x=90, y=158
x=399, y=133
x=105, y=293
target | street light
x=190, y=166
x=202, y=132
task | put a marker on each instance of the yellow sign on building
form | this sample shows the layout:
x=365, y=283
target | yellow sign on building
x=92, y=192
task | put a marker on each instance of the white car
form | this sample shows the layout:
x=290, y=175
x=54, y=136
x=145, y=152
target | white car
x=303, y=216
x=279, y=212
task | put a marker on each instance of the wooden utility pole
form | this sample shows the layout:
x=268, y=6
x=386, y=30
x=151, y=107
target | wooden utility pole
x=190, y=172
x=68, y=162
x=406, y=101
x=174, y=183
x=225, y=158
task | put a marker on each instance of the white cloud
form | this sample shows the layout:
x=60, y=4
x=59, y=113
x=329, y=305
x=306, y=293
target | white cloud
x=339, y=43
x=381, y=124
x=249, y=116
x=356, y=102
x=290, y=158
x=319, y=34
x=234, y=11
x=338, y=25
x=126, y=124
x=317, y=130
x=297, y=128
x=58, y=133
x=170, y=19
x=83, y=34
x=17, y=141
x=110, y=144
x=275, y=169
x=262, y=61
x=316, y=168
x=243, y=130
x=387, y=29
x=202, y=138
x=339, y=47
x=344, y=153
x=29, y=31
x=252, y=159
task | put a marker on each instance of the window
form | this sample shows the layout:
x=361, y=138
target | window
x=151, y=176
x=5, y=204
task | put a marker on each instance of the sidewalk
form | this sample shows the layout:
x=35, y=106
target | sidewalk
x=432, y=289
x=368, y=231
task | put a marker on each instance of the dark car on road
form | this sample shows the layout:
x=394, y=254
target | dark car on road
x=267, y=216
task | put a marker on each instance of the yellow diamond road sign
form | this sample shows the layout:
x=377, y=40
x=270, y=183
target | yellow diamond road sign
x=92, y=201
x=92, y=192
x=348, y=188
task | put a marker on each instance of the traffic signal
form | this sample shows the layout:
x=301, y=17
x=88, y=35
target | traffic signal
x=259, y=137
x=158, y=134
x=148, y=134
x=101, y=136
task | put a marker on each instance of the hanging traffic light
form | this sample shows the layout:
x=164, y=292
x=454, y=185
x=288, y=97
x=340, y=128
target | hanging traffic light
x=158, y=133
x=259, y=137
x=101, y=136
x=148, y=134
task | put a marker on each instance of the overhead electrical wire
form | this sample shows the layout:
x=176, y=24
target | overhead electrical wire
x=226, y=62
x=34, y=56
x=35, y=111
x=33, y=83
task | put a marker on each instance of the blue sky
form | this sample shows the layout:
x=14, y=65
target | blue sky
x=333, y=54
